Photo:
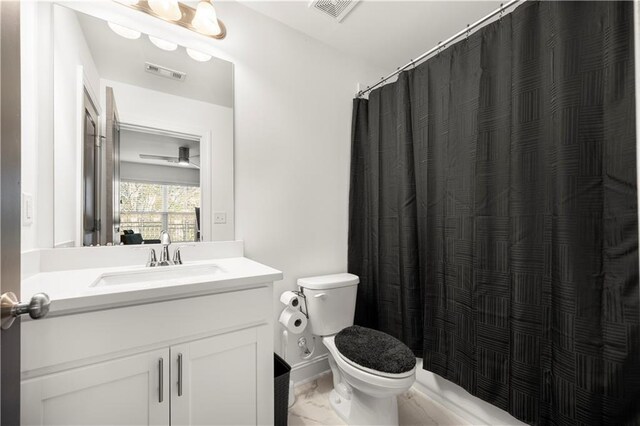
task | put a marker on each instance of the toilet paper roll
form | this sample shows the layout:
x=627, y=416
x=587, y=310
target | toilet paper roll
x=293, y=320
x=290, y=299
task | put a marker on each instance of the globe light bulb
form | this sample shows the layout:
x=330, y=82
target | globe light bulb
x=206, y=20
x=197, y=55
x=124, y=31
x=167, y=9
x=163, y=44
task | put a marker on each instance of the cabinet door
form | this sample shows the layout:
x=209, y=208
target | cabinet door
x=127, y=391
x=223, y=380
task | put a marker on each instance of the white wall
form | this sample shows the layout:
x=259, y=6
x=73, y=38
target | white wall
x=293, y=100
x=37, y=121
x=71, y=61
x=148, y=108
x=29, y=93
x=155, y=173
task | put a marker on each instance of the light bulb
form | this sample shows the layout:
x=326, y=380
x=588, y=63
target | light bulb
x=163, y=44
x=124, y=31
x=206, y=20
x=167, y=9
x=197, y=55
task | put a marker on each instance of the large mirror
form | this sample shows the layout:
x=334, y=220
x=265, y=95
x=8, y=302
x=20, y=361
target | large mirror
x=143, y=136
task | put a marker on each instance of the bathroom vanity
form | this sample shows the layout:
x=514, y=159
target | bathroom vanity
x=126, y=344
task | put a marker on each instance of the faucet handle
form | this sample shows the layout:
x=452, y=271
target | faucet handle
x=153, y=260
x=177, y=259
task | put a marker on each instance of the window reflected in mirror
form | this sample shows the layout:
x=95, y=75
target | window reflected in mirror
x=148, y=208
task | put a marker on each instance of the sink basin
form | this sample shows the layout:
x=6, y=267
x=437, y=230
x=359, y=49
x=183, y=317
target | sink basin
x=157, y=274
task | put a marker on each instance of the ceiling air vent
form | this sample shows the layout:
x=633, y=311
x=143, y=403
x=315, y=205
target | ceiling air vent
x=337, y=9
x=165, y=72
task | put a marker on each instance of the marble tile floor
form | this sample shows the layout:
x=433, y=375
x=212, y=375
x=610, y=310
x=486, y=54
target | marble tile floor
x=414, y=408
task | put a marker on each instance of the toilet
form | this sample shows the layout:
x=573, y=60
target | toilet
x=370, y=368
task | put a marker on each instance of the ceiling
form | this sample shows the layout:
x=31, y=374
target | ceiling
x=123, y=60
x=386, y=34
x=134, y=143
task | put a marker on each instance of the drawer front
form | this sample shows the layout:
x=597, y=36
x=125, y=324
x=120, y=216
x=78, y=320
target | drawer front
x=68, y=341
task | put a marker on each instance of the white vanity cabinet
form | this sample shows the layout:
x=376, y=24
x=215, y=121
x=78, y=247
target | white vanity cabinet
x=198, y=360
x=119, y=392
x=216, y=379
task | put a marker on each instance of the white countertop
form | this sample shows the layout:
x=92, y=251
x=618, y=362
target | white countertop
x=71, y=291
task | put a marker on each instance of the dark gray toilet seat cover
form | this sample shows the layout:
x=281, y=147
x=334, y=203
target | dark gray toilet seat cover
x=375, y=350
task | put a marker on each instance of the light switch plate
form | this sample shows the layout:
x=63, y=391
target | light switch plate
x=220, y=218
x=27, y=209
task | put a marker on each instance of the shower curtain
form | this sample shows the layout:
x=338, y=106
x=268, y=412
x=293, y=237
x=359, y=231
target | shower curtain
x=493, y=213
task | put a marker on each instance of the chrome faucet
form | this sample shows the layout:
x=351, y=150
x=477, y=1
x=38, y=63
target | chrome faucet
x=165, y=259
x=165, y=240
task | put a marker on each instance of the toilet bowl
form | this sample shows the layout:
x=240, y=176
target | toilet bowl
x=361, y=395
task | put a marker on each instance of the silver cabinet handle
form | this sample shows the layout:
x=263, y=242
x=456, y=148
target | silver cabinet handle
x=179, y=374
x=11, y=308
x=160, y=380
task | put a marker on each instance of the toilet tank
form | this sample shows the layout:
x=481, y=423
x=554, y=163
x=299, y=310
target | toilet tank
x=331, y=302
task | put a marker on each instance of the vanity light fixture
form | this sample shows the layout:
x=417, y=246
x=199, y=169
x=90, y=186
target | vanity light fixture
x=163, y=44
x=124, y=31
x=202, y=20
x=197, y=55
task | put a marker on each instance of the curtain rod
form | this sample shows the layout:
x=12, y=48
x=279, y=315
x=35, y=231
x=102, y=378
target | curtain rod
x=441, y=45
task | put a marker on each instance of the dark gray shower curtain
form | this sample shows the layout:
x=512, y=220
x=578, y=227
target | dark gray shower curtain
x=493, y=213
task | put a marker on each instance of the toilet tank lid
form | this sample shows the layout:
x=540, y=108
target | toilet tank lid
x=324, y=282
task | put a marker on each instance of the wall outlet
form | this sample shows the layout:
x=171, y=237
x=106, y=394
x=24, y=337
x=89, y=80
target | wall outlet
x=220, y=218
x=27, y=209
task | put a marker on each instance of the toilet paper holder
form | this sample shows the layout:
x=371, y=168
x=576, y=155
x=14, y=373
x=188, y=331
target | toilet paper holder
x=301, y=295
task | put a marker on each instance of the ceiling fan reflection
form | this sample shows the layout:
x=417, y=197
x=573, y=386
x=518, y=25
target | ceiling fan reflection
x=183, y=158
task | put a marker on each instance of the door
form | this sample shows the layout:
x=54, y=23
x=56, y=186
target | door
x=215, y=380
x=91, y=175
x=10, y=204
x=126, y=391
x=112, y=171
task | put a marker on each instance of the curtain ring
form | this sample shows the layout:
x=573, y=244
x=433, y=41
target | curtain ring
x=439, y=48
x=501, y=11
x=467, y=31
